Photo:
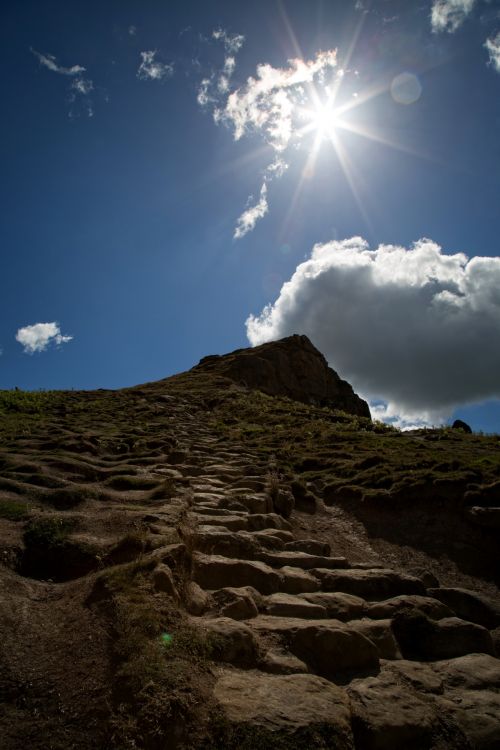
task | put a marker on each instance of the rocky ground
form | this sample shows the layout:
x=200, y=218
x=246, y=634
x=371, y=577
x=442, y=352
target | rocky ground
x=191, y=564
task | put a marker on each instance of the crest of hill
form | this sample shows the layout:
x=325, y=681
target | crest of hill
x=290, y=367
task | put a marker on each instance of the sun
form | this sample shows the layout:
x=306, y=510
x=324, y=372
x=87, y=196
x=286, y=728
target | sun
x=323, y=120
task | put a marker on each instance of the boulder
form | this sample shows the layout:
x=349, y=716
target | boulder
x=338, y=605
x=280, y=661
x=163, y=580
x=291, y=367
x=433, y=608
x=458, y=424
x=422, y=638
x=372, y=584
x=380, y=633
x=215, y=572
x=470, y=672
x=297, y=581
x=230, y=641
x=237, y=603
x=277, y=711
x=470, y=605
x=389, y=715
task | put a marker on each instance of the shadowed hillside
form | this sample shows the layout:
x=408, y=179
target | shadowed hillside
x=238, y=557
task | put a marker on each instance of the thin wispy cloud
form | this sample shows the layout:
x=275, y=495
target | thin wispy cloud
x=493, y=46
x=251, y=215
x=449, y=15
x=275, y=104
x=132, y=30
x=152, y=69
x=50, y=62
x=39, y=336
x=410, y=327
x=80, y=87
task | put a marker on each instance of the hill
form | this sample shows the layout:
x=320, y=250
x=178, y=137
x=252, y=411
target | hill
x=199, y=563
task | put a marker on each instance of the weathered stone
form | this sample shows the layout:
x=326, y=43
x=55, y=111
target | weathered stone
x=196, y=600
x=236, y=603
x=230, y=522
x=287, y=605
x=388, y=715
x=420, y=637
x=163, y=580
x=421, y=677
x=283, y=503
x=369, y=584
x=334, y=651
x=311, y=546
x=266, y=711
x=476, y=713
x=301, y=560
x=380, y=633
x=215, y=572
x=470, y=605
x=259, y=521
x=279, y=661
x=214, y=540
x=429, y=606
x=231, y=641
x=338, y=605
x=297, y=581
x=471, y=672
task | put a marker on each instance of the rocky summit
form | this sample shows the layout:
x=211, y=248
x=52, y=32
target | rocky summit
x=238, y=557
x=291, y=367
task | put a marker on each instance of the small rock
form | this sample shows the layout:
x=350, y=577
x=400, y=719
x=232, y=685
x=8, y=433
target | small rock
x=197, y=600
x=163, y=580
x=232, y=642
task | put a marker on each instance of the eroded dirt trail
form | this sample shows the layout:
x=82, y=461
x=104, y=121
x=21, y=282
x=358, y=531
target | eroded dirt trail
x=319, y=640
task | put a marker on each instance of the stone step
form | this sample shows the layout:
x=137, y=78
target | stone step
x=297, y=580
x=228, y=522
x=311, y=546
x=329, y=647
x=217, y=540
x=338, y=605
x=431, y=607
x=288, y=605
x=271, y=710
x=261, y=521
x=302, y=560
x=372, y=585
x=470, y=605
x=215, y=572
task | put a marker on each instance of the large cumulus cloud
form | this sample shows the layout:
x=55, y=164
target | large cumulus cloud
x=413, y=327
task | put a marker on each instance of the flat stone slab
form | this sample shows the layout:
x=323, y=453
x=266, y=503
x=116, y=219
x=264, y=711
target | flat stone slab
x=431, y=607
x=288, y=605
x=338, y=605
x=389, y=715
x=329, y=647
x=470, y=606
x=372, y=584
x=266, y=710
x=215, y=572
x=302, y=560
x=297, y=581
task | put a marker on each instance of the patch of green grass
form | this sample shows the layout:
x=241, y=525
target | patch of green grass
x=13, y=510
x=27, y=402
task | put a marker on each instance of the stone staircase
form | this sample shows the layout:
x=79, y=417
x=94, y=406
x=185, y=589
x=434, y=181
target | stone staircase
x=308, y=644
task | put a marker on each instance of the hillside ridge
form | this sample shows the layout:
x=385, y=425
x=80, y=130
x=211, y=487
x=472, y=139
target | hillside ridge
x=199, y=565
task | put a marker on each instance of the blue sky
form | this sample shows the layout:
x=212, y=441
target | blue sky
x=168, y=168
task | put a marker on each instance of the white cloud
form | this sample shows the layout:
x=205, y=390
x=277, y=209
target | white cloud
x=232, y=43
x=414, y=328
x=152, y=69
x=493, y=46
x=250, y=217
x=37, y=337
x=49, y=61
x=449, y=15
x=79, y=89
x=132, y=30
x=274, y=104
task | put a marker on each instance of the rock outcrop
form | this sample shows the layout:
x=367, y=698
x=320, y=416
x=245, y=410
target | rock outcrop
x=291, y=367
